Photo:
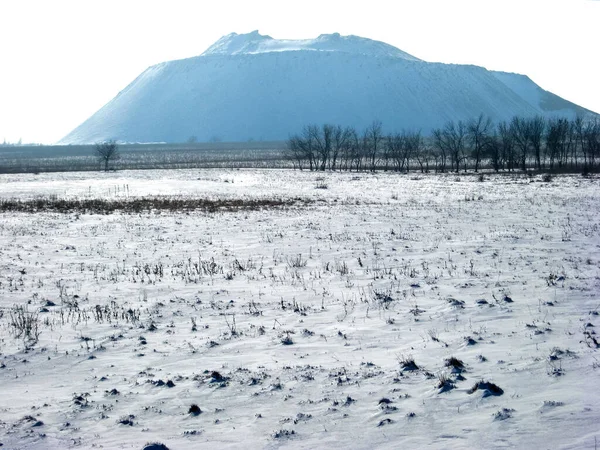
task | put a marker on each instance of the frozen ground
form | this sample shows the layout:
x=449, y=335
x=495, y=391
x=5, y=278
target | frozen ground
x=297, y=327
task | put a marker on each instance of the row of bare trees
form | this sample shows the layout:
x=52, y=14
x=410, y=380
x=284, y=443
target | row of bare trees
x=521, y=143
x=331, y=147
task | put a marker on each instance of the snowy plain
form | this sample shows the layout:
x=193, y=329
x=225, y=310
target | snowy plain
x=362, y=317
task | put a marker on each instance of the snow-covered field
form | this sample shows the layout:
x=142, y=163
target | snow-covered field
x=363, y=319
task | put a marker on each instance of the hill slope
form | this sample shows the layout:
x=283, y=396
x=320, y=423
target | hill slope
x=251, y=86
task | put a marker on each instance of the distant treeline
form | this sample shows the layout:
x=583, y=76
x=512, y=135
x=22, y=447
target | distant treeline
x=559, y=145
x=521, y=143
x=67, y=158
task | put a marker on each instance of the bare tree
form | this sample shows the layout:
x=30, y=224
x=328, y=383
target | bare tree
x=494, y=149
x=106, y=152
x=586, y=136
x=478, y=131
x=339, y=145
x=322, y=143
x=570, y=145
x=355, y=150
x=452, y=138
x=402, y=147
x=519, y=127
x=536, y=127
x=394, y=144
x=312, y=138
x=424, y=156
x=386, y=154
x=372, y=139
x=591, y=143
x=441, y=148
x=507, y=144
x=304, y=147
x=295, y=148
x=413, y=146
x=347, y=149
x=557, y=140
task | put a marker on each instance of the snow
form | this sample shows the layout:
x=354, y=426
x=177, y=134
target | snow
x=550, y=104
x=251, y=86
x=390, y=267
x=253, y=43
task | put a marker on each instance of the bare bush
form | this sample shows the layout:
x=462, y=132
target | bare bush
x=24, y=324
x=296, y=261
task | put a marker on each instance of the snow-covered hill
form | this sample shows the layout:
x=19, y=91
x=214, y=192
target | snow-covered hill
x=249, y=86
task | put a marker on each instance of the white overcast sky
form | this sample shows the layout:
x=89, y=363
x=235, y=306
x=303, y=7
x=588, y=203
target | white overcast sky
x=62, y=60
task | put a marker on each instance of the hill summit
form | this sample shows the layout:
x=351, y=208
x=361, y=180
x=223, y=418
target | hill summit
x=253, y=43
